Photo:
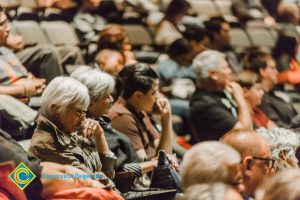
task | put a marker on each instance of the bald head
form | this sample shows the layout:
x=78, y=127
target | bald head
x=247, y=143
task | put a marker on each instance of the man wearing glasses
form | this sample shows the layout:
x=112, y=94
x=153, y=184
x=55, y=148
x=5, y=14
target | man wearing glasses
x=257, y=162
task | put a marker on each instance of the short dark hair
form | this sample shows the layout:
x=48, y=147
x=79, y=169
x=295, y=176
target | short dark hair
x=214, y=24
x=178, y=48
x=195, y=33
x=176, y=7
x=258, y=60
x=286, y=44
x=137, y=77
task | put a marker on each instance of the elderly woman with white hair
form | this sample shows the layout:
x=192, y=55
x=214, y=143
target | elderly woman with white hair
x=64, y=135
x=283, y=144
x=209, y=162
x=100, y=86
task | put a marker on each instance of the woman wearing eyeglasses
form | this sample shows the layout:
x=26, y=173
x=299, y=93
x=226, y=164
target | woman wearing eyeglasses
x=100, y=86
x=64, y=135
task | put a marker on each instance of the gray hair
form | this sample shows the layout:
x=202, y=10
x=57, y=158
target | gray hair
x=283, y=186
x=205, y=191
x=64, y=92
x=207, y=162
x=280, y=139
x=206, y=61
x=99, y=83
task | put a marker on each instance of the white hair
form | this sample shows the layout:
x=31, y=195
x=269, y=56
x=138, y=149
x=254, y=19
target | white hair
x=99, y=83
x=283, y=186
x=206, y=191
x=64, y=92
x=280, y=140
x=207, y=162
x=206, y=61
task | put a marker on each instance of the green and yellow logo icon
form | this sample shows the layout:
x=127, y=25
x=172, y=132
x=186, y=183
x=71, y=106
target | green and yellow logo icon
x=22, y=176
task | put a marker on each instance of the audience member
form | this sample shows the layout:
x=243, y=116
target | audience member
x=100, y=86
x=212, y=191
x=257, y=163
x=217, y=162
x=64, y=135
x=253, y=93
x=44, y=187
x=87, y=21
x=218, y=104
x=283, y=186
x=110, y=61
x=114, y=37
x=246, y=10
x=14, y=78
x=219, y=30
x=288, y=18
x=170, y=27
x=283, y=144
x=140, y=96
x=276, y=108
x=198, y=39
x=285, y=52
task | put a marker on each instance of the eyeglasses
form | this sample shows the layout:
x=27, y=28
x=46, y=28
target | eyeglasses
x=80, y=113
x=270, y=161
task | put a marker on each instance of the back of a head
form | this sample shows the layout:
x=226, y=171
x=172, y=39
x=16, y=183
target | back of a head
x=246, y=142
x=99, y=83
x=246, y=78
x=255, y=60
x=288, y=12
x=283, y=186
x=211, y=191
x=207, y=162
x=206, y=61
x=177, y=7
x=137, y=77
x=179, y=47
x=112, y=37
x=213, y=25
x=286, y=44
x=195, y=34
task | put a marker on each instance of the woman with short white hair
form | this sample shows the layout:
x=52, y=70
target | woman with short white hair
x=64, y=135
x=100, y=86
x=283, y=144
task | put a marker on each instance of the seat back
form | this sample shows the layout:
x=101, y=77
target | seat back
x=204, y=7
x=31, y=32
x=239, y=39
x=261, y=37
x=60, y=33
x=224, y=6
x=138, y=35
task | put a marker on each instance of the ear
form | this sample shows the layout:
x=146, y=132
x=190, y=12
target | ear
x=247, y=164
x=213, y=75
x=246, y=92
x=262, y=72
x=137, y=95
x=54, y=108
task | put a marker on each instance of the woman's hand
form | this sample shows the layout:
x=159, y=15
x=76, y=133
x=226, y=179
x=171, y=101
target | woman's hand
x=162, y=107
x=91, y=128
